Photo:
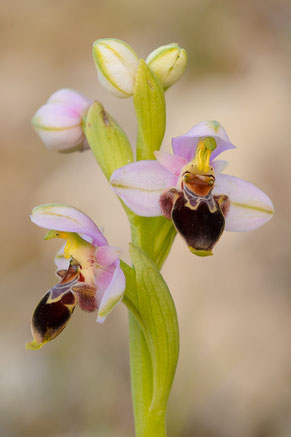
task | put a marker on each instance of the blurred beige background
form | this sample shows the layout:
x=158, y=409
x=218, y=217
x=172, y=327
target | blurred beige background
x=234, y=373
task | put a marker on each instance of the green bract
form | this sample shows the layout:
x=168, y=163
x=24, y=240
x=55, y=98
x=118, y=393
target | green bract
x=150, y=108
x=148, y=298
x=107, y=140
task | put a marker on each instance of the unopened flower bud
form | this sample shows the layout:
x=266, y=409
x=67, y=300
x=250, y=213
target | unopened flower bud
x=116, y=64
x=168, y=63
x=59, y=122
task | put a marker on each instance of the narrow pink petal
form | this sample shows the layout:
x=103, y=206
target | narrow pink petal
x=219, y=166
x=68, y=219
x=107, y=255
x=71, y=98
x=185, y=145
x=140, y=185
x=173, y=163
x=250, y=207
x=111, y=286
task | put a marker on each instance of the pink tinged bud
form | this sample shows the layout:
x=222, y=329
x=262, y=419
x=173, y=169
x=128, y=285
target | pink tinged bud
x=59, y=121
x=71, y=98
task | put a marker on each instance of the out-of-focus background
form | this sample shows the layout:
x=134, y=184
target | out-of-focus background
x=234, y=373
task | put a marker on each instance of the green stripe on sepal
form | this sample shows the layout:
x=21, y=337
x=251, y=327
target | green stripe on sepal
x=107, y=140
x=150, y=108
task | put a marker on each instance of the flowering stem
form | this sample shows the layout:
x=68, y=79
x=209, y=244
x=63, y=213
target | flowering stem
x=149, y=401
x=147, y=423
x=153, y=326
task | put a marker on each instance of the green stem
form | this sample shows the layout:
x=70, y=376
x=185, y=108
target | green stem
x=148, y=423
x=153, y=235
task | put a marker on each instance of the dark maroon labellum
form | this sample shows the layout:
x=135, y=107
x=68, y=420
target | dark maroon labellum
x=200, y=220
x=200, y=227
x=50, y=318
x=56, y=307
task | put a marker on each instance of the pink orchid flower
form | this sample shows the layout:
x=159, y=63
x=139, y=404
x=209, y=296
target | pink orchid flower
x=88, y=267
x=190, y=189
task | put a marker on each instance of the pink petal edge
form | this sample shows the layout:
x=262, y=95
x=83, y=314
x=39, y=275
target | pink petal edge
x=250, y=207
x=68, y=219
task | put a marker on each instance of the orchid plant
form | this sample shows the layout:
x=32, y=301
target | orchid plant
x=162, y=194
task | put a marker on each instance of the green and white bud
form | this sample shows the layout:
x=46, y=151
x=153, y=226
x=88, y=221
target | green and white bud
x=168, y=63
x=116, y=64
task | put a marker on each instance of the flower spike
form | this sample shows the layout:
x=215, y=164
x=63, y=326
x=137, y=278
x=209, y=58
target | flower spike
x=90, y=272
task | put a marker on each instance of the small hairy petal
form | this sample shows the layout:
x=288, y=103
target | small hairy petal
x=185, y=145
x=111, y=286
x=249, y=206
x=86, y=296
x=68, y=219
x=107, y=255
x=173, y=163
x=140, y=185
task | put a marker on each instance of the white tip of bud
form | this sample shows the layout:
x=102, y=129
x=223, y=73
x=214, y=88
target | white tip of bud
x=168, y=63
x=59, y=121
x=116, y=64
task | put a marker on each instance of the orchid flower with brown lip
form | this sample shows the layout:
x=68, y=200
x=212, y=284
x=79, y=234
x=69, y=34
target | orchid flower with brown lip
x=190, y=189
x=89, y=269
